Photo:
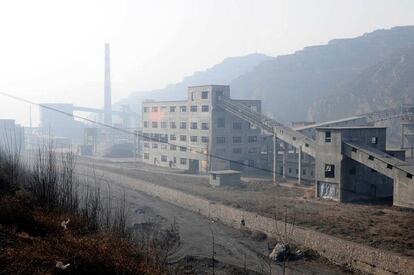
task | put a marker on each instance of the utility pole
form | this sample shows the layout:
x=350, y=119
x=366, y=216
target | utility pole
x=299, y=164
x=274, y=156
x=285, y=153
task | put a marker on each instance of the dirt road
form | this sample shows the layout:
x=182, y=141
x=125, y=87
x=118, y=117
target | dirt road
x=232, y=246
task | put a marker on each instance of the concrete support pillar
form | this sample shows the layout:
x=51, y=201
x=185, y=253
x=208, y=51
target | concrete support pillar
x=299, y=164
x=285, y=153
x=274, y=156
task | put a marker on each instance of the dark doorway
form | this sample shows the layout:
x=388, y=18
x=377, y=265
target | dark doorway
x=194, y=165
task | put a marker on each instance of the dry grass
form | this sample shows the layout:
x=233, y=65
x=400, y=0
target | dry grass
x=33, y=241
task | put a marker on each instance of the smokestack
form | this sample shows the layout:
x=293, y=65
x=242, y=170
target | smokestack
x=107, y=91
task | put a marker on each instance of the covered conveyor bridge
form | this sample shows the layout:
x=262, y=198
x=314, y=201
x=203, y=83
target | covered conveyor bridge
x=282, y=132
x=400, y=171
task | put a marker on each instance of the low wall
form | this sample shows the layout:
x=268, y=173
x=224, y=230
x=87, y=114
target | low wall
x=336, y=250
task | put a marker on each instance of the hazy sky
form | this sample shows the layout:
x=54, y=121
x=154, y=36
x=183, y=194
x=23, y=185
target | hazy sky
x=52, y=50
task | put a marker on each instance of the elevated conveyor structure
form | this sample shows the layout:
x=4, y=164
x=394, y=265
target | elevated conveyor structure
x=282, y=132
x=400, y=171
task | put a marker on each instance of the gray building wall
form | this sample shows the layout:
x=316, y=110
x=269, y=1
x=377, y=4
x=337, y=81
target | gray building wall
x=351, y=180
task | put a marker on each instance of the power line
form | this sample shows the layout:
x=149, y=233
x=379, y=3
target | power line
x=146, y=138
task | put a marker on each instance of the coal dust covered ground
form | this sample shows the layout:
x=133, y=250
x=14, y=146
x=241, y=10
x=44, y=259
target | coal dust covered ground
x=235, y=251
x=378, y=225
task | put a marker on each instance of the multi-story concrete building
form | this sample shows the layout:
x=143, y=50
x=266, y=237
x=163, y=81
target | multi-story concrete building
x=196, y=134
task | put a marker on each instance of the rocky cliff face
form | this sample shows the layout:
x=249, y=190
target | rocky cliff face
x=386, y=84
x=289, y=85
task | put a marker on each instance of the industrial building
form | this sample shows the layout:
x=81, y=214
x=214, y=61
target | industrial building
x=353, y=163
x=196, y=134
x=12, y=137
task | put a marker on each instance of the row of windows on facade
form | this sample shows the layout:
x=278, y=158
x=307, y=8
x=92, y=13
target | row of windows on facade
x=194, y=125
x=328, y=138
x=173, y=125
x=173, y=109
x=236, y=150
x=183, y=161
x=204, y=139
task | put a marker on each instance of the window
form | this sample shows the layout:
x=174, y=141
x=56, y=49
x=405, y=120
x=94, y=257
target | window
x=163, y=109
x=251, y=162
x=173, y=137
x=145, y=124
x=221, y=123
x=164, y=138
x=146, y=109
x=163, y=124
x=163, y=146
x=183, y=138
x=389, y=166
x=252, y=139
x=204, y=108
x=174, y=159
x=204, y=139
x=183, y=109
x=204, y=95
x=237, y=139
x=155, y=109
x=155, y=137
x=370, y=157
x=193, y=138
x=237, y=150
x=374, y=140
x=183, y=125
x=204, y=126
x=146, y=155
x=193, y=108
x=410, y=176
x=173, y=125
x=290, y=170
x=146, y=145
x=192, y=96
x=154, y=145
x=237, y=125
x=193, y=125
x=253, y=150
x=304, y=172
x=329, y=171
x=296, y=171
x=163, y=158
x=352, y=171
x=220, y=140
x=183, y=149
x=172, y=109
x=183, y=161
x=173, y=147
x=328, y=137
x=154, y=124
